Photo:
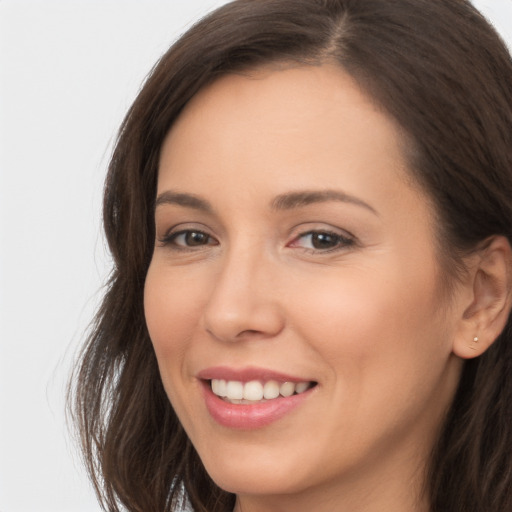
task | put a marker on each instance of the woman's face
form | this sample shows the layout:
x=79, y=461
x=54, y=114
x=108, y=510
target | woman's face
x=292, y=247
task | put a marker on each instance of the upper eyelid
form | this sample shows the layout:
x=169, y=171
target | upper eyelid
x=186, y=226
x=320, y=227
x=331, y=231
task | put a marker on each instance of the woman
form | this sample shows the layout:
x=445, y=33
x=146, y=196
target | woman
x=310, y=211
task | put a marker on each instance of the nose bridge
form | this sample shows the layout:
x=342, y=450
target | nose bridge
x=241, y=302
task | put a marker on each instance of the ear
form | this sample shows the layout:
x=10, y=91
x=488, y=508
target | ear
x=485, y=317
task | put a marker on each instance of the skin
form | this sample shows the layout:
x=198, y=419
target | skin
x=366, y=318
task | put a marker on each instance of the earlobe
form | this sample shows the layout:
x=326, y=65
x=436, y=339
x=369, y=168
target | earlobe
x=487, y=314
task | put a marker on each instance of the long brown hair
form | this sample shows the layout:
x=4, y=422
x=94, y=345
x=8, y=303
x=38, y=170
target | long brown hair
x=441, y=71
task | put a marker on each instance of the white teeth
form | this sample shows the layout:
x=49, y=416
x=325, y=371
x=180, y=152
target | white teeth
x=219, y=387
x=255, y=390
x=287, y=388
x=301, y=387
x=234, y=390
x=271, y=389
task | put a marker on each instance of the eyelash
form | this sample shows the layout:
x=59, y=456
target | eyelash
x=340, y=242
x=170, y=239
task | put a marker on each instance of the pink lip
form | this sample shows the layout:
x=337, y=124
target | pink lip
x=248, y=416
x=246, y=374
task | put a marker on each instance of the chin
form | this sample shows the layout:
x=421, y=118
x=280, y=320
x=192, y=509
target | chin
x=254, y=481
x=264, y=476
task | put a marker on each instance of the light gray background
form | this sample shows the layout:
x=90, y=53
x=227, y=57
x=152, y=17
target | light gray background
x=68, y=72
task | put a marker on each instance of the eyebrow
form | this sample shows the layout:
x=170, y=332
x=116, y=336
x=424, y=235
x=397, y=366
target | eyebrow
x=186, y=200
x=302, y=198
x=288, y=201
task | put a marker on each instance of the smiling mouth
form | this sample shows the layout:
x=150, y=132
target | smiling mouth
x=256, y=391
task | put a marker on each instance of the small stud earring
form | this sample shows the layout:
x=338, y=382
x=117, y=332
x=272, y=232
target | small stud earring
x=475, y=339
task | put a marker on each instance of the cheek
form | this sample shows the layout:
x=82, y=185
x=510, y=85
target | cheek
x=172, y=308
x=384, y=350
x=375, y=323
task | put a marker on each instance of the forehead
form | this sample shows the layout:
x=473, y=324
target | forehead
x=273, y=120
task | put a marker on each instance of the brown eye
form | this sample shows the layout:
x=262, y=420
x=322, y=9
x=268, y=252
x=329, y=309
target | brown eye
x=193, y=238
x=189, y=238
x=322, y=241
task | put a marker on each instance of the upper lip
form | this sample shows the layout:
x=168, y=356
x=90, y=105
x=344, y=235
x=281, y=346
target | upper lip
x=247, y=374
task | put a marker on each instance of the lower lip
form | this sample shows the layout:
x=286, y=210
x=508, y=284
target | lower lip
x=250, y=416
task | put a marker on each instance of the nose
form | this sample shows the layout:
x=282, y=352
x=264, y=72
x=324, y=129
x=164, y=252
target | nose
x=244, y=303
